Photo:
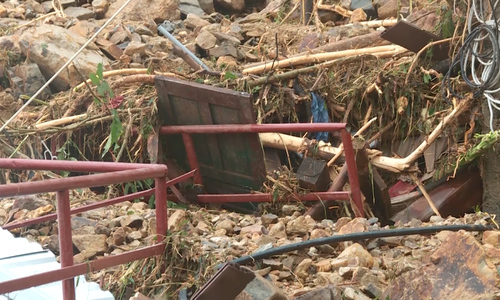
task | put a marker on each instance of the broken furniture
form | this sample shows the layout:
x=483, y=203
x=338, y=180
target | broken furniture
x=213, y=131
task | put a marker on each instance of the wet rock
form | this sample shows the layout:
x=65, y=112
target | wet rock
x=53, y=244
x=135, y=48
x=91, y=243
x=289, y=209
x=206, y=41
x=158, y=10
x=302, y=269
x=132, y=221
x=193, y=21
x=119, y=236
x=261, y=289
x=79, y=13
x=51, y=46
x=491, y=238
x=357, y=251
x=474, y=276
x=27, y=80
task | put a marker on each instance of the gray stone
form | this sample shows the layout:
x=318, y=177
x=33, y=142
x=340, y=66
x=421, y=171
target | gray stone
x=79, y=13
x=27, y=80
x=91, y=243
x=261, y=289
x=354, y=294
x=67, y=3
x=51, y=46
x=226, y=38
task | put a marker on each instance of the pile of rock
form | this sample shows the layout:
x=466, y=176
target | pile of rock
x=364, y=270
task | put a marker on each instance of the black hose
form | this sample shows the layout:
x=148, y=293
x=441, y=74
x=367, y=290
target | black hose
x=356, y=237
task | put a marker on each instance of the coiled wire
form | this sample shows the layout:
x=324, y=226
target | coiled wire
x=479, y=57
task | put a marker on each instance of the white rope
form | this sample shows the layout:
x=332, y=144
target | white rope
x=65, y=65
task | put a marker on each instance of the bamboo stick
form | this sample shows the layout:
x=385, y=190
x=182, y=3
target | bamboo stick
x=381, y=51
x=62, y=121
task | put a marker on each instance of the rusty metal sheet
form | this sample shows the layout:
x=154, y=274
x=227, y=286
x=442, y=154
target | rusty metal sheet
x=452, y=198
x=231, y=163
x=414, y=39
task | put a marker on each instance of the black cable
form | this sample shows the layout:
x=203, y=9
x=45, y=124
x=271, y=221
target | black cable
x=356, y=237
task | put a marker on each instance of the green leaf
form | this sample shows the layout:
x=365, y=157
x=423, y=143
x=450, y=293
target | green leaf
x=100, y=71
x=95, y=80
x=116, y=132
x=230, y=76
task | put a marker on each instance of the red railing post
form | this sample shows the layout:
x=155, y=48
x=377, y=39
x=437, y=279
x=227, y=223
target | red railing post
x=65, y=241
x=352, y=173
x=161, y=208
x=191, y=156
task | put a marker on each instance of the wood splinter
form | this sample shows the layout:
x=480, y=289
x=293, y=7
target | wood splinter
x=424, y=192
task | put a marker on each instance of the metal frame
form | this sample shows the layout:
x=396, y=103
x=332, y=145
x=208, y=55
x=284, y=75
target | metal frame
x=354, y=194
x=113, y=173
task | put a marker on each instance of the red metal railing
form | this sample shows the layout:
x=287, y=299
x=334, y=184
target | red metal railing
x=354, y=194
x=114, y=173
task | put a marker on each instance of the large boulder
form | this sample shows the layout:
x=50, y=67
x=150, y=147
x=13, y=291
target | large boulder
x=50, y=47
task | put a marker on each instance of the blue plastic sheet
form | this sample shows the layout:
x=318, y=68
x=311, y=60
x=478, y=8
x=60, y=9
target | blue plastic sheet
x=319, y=114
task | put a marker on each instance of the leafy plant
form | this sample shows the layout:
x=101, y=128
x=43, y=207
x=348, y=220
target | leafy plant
x=103, y=88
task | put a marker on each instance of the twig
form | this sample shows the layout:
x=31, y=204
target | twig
x=35, y=20
x=414, y=62
x=128, y=130
x=291, y=12
x=424, y=192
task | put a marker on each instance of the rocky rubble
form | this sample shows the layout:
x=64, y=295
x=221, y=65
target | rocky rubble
x=449, y=265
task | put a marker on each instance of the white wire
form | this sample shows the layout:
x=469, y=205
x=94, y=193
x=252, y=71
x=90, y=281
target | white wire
x=64, y=66
x=478, y=63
